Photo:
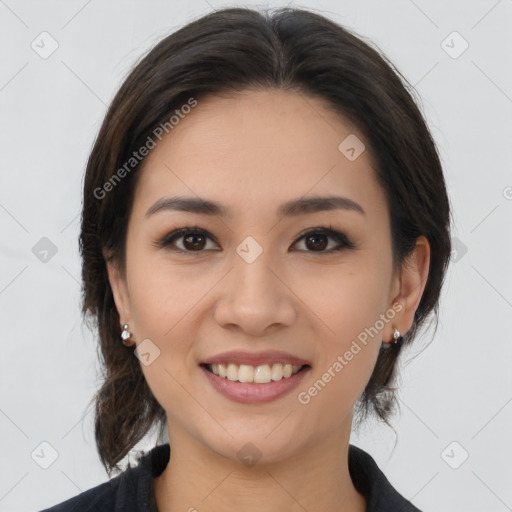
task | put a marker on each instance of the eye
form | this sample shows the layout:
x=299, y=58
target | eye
x=193, y=239
x=317, y=240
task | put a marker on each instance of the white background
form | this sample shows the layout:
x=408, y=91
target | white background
x=458, y=390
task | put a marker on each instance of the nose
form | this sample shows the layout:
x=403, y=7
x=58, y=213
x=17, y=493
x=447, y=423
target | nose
x=255, y=297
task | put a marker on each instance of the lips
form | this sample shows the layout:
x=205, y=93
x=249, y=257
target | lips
x=254, y=393
x=243, y=376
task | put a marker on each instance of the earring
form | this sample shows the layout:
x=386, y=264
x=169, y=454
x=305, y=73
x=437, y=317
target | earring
x=396, y=338
x=125, y=335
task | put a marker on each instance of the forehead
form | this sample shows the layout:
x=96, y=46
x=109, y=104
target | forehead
x=253, y=148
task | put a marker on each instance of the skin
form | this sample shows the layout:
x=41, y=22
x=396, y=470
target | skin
x=251, y=152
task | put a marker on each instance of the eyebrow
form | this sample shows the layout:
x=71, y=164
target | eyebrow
x=291, y=208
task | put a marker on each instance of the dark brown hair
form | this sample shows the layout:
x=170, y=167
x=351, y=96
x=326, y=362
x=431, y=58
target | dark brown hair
x=233, y=50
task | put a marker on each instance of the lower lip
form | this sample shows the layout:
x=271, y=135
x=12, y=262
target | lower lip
x=248, y=393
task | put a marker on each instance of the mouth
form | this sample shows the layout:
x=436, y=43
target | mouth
x=255, y=377
x=253, y=385
x=249, y=374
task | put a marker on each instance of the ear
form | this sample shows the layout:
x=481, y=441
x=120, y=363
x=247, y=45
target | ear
x=409, y=287
x=119, y=290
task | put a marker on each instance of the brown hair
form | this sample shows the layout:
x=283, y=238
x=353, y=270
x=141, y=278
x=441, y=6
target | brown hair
x=231, y=50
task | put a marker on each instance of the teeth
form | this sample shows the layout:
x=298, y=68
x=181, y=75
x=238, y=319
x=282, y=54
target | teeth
x=262, y=374
x=232, y=372
x=245, y=373
x=259, y=375
x=277, y=372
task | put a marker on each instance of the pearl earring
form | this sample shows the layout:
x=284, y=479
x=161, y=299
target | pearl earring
x=125, y=335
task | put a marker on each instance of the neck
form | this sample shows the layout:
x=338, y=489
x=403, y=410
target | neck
x=317, y=480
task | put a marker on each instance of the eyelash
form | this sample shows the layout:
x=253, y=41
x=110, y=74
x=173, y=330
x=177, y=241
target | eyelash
x=342, y=240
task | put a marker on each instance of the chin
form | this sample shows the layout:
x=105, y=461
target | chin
x=257, y=447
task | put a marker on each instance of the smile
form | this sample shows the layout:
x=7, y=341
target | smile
x=262, y=374
x=254, y=384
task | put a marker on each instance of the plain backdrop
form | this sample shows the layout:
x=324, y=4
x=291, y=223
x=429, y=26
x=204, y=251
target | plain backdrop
x=61, y=64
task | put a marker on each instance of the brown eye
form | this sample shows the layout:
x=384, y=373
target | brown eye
x=191, y=240
x=317, y=240
x=194, y=242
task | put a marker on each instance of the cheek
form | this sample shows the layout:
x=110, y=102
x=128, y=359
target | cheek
x=347, y=346
x=161, y=299
x=164, y=299
x=163, y=294
x=346, y=298
x=349, y=304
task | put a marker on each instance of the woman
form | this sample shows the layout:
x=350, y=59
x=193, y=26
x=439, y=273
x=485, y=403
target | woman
x=265, y=227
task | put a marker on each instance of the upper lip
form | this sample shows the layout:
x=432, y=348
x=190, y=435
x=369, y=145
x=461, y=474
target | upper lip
x=256, y=358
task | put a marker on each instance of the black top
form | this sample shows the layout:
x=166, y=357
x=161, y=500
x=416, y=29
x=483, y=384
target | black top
x=132, y=490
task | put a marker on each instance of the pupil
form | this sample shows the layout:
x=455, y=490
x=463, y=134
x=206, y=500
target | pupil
x=194, y=241
x=317, y=244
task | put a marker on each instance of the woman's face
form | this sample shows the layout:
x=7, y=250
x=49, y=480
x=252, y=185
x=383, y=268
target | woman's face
x=251, y=281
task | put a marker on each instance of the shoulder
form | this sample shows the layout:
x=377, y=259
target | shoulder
x=125, y=492
x=130, y=491
x=101, y=498
x=371, y=482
